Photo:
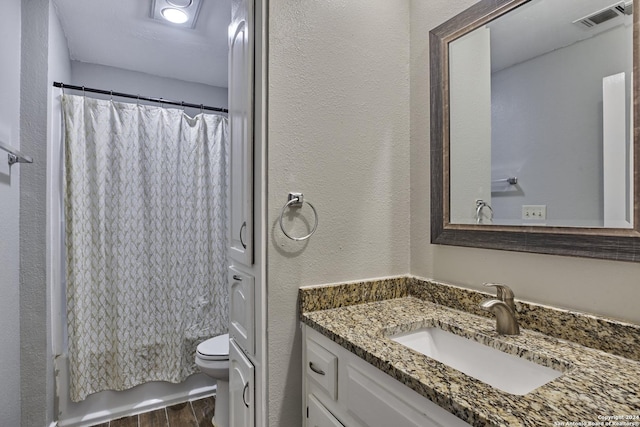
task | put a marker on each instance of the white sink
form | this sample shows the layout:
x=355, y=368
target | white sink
x=504, y=371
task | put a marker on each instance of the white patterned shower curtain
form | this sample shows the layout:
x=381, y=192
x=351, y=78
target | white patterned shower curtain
x=145, y=219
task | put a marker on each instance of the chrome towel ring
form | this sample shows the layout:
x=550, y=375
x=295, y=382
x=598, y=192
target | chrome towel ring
x=296, y=200
x=480, y=205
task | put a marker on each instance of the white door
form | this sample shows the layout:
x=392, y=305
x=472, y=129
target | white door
x=241, y=316
x=318, y=415
x=241, y=388
x=241, y=131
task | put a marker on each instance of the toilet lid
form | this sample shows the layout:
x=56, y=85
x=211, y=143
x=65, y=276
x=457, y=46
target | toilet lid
x=216, y=348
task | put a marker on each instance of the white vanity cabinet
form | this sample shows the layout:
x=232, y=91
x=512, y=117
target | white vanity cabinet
x=341, y=389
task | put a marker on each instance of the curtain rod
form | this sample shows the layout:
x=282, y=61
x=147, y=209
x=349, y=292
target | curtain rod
x=138, y=97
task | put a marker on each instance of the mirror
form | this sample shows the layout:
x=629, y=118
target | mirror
x=532, y=128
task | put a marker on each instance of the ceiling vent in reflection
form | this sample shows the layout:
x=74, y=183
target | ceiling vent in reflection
x=606, y=14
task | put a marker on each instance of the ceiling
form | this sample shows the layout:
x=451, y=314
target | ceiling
x=542, y=26
x=121, y=33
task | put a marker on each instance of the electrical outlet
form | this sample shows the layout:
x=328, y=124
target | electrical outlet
x=534, y=212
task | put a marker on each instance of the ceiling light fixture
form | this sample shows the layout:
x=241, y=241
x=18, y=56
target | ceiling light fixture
x=177, y=13
x=174, y=15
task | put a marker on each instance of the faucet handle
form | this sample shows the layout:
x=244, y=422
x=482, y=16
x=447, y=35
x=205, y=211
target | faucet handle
x=503, y=292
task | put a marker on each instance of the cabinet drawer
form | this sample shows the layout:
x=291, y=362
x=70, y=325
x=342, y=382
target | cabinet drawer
x=322, y=368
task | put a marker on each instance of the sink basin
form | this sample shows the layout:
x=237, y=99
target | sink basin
x=503, y=371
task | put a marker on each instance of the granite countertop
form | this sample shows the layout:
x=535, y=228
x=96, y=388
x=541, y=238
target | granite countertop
x=596, y=386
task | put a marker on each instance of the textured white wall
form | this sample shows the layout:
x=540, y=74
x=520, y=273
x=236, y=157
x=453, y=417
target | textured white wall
x=9, y=215
x=133, y=82
x=338, y=132
x=604, y=287
x=36, y=361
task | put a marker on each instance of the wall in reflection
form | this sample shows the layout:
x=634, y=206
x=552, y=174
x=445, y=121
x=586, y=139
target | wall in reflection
x=547, y=129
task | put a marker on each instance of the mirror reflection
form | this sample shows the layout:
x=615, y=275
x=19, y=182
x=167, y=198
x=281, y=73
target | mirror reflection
x=541, y=128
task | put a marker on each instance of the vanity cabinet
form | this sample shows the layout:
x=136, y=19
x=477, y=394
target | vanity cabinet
x=341, y=389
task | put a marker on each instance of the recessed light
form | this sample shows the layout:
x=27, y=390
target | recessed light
x=174, y=15
x=177, y=13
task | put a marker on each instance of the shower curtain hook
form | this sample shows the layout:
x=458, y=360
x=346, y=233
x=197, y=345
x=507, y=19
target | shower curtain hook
x=62, y=87
x=112, y=96
x=138, y=100
x=182, y=105
x=84, y=94
x=201, y=108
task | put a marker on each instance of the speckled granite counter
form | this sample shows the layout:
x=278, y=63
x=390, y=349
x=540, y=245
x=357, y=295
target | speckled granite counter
x=595, y=384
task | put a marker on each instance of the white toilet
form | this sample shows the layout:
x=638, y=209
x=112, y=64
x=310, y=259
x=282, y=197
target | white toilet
x=212, y=357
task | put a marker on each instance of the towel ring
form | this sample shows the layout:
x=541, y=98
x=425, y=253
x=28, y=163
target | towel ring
x=297, y=200
x=480, y=205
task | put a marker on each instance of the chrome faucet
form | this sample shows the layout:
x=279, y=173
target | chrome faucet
x=504, y=309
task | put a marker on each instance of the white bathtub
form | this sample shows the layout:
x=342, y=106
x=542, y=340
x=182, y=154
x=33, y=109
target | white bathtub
x=107, y=405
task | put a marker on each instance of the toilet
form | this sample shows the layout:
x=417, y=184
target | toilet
x=212, y=357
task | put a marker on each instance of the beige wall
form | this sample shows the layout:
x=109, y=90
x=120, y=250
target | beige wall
x=338, y=131
x=603, y=287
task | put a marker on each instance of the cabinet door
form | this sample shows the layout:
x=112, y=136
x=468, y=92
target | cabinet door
x=241, y=132
x=376, y=403
x=241, y=388
x=318, y=415
x=241, y=316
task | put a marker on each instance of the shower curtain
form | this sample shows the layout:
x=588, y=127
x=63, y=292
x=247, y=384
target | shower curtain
x=145, y=229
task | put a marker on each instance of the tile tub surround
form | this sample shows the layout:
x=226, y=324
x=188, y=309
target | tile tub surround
x=613, y=336
x=594, y=383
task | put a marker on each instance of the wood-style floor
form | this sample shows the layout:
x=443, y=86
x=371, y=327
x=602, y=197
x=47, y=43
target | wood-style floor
x=197, y=413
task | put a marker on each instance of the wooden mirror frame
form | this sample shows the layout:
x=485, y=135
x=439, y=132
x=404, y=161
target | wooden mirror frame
x=603, y=243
